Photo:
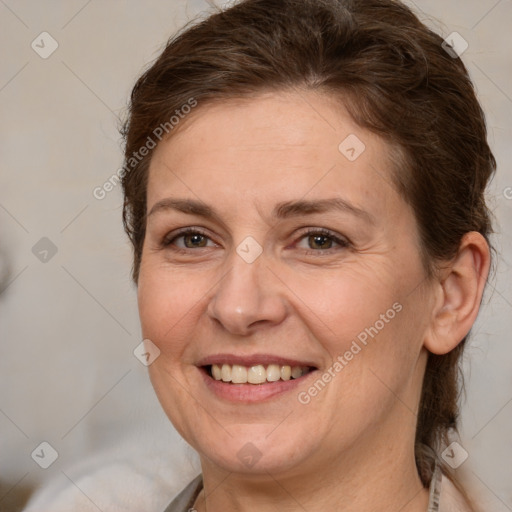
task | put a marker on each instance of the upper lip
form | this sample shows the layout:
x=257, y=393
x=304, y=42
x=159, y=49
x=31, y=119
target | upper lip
x=252, y=360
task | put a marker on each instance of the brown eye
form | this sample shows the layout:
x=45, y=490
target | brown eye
x=320, y=241
x=187, y=239
x=194, y=240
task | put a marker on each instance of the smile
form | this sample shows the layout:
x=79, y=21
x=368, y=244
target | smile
x=255, y=374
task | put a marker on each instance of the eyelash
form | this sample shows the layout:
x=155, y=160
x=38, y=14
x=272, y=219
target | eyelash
x=342, y=242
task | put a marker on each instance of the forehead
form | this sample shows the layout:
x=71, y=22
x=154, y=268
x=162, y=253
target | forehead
x=275, y=146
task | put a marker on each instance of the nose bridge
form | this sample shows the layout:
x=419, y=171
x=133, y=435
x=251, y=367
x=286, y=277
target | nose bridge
x=246, y=295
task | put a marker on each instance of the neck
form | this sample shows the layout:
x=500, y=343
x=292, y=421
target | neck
x=376, y=473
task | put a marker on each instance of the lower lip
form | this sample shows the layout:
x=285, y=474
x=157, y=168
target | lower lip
x=250, y=393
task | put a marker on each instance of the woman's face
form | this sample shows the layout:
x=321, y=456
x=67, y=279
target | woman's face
x=301, y=254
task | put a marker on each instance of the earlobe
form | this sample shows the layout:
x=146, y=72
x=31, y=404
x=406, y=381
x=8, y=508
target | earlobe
x=459, y=293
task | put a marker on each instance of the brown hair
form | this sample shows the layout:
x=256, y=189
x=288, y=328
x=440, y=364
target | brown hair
x=394, y=77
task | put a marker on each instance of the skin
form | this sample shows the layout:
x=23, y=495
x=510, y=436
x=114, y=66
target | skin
x=351, y=448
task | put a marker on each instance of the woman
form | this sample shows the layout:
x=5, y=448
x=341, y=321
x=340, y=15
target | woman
x=304, y=190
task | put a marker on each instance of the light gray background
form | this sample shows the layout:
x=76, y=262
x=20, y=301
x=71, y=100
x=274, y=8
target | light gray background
x=69, y=326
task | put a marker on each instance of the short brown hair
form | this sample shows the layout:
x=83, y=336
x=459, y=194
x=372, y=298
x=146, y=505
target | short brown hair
x=394, y=77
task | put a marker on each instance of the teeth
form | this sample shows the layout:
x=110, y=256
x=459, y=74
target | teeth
x=225, y=373
x=257, y=374
x=238, y=374
x=296, y=372
x=216, y=372
x=286, y=372
x=273, y=372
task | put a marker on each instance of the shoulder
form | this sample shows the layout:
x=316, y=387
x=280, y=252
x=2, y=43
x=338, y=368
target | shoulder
x=184, y=502
x=109, y=483
x=451, y=500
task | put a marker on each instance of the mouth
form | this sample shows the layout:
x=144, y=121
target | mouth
x=256, y=374
x=255, y=378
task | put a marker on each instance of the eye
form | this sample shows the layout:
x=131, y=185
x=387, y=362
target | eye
x=321, y=240
x=318, y=241
x=191, y=238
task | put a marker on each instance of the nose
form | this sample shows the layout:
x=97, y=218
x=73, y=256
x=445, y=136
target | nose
x=249, y=295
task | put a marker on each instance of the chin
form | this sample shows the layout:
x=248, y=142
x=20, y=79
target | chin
x=250, y=449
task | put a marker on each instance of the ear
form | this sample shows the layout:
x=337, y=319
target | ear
x=459, y=291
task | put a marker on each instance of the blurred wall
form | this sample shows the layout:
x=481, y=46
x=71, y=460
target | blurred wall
x=68, y=317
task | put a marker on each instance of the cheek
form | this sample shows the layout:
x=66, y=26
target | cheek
x=387, y=348
x=167, y=302
x=166, y=308
x=366, y=322
x=342, y=304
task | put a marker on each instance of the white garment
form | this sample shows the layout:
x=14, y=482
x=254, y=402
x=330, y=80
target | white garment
x=451, y=499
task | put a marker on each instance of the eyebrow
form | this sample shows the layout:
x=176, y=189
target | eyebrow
x=282, y=210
